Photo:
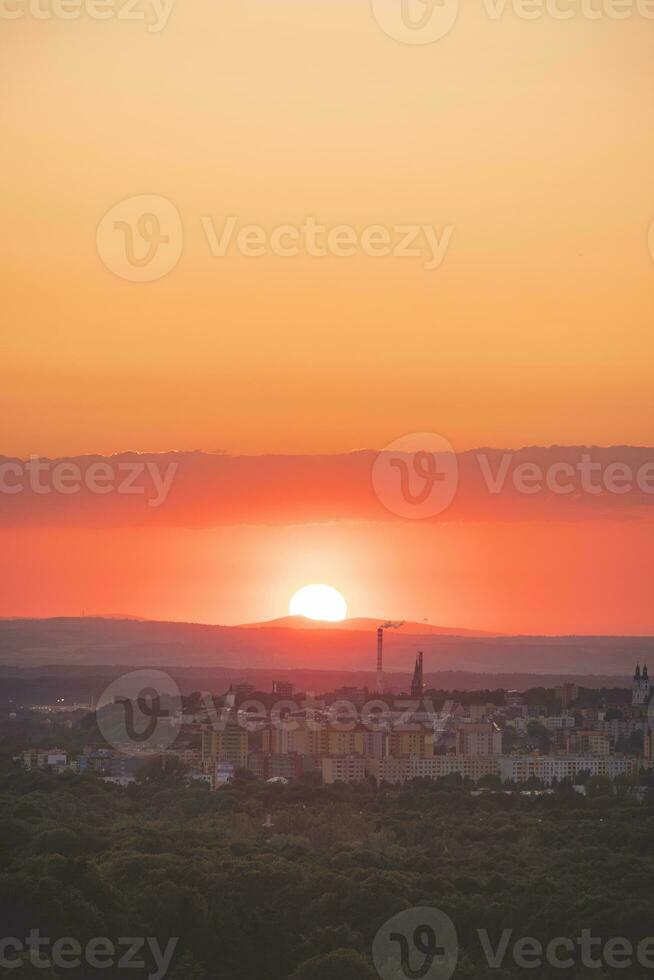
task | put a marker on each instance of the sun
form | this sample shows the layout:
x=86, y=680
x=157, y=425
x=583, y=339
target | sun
x=319, y=602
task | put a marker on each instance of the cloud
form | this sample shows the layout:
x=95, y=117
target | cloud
x=198, y=490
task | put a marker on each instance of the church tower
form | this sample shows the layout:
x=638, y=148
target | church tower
x=641, y=689
x=418, y=684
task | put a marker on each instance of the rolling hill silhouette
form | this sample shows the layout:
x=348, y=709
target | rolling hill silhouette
x=133, y=643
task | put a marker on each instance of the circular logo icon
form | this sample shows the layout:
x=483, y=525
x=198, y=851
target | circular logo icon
x=420, y=942
x=140, y=711
x=141, y=238
x=416, y=21
x=417, y=476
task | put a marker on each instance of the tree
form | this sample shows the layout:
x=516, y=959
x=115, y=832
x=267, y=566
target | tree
x=194, y=702
x=599, y=786
x=537, y=731
x=490, y=781
x=187, y=968
x=161, y=769
x=342, y=964
x=30, y=971
x=510, y=738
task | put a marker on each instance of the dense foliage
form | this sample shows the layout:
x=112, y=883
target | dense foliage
x=305, y=897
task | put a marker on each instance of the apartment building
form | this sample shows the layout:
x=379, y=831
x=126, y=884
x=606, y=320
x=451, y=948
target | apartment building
x=585, y=742
x=229, y=745
x=275, y=765
x=344, y=769
x=478, y=738
x=400, y=770
x=406, y=744
x=550, y=767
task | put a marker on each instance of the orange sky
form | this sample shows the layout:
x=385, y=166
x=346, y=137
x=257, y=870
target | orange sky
x=532, y=139
x=532, y=580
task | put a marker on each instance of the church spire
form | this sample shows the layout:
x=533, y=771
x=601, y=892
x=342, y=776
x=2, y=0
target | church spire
x=642, y=688
x=417, y=684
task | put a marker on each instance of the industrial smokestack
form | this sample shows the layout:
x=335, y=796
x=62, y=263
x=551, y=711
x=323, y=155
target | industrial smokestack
x=380, y=660
x=380, y=652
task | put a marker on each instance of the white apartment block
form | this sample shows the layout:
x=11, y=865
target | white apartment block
x=556, y=722
x=516, y=768
x=402, y=769
x=550, y=767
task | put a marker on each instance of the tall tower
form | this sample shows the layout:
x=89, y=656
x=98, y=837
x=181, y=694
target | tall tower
x=380, y=652
x=641, y=688
x=417, y=684
x=380, y=660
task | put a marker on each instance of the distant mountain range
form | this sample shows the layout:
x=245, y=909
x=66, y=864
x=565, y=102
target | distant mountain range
x=363, y=625
x=307, y=645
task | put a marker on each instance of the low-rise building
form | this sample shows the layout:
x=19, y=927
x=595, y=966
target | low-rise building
x=556, y=722
x=282, y=689
x=400, y=770
x=548, y=768
x=45, y=758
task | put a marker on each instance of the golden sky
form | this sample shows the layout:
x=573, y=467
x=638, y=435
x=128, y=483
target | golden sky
x=532, y=139
x=525, y=146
